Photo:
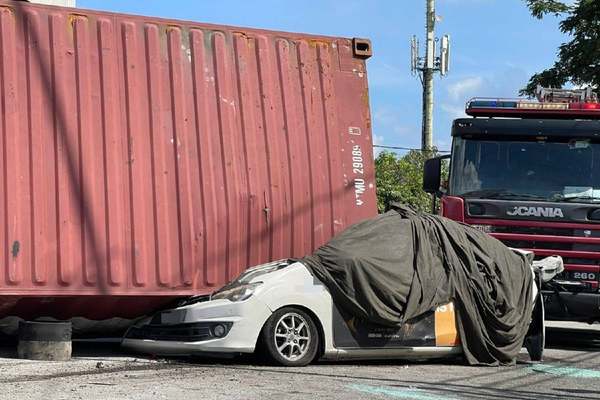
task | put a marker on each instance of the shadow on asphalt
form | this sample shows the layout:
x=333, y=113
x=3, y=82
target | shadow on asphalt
x=595, y=393
x=100, y=349
x=501, y=382
x=496, y=383
x=573, y=339
x=453, y=388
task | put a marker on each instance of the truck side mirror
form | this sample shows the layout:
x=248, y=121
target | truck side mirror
x=432, y=174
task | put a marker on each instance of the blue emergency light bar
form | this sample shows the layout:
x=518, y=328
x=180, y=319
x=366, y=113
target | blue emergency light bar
x=519, y=108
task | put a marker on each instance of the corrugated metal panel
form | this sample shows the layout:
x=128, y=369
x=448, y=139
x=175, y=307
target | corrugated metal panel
x=62, y=3
x=154, y=157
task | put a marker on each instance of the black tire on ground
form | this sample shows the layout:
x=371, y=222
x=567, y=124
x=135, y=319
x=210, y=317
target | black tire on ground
x=535, y=340
x=290, y=338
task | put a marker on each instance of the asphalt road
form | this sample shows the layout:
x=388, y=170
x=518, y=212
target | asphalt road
x=571, y=371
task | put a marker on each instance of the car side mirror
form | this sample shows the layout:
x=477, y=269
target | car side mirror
x=432, y=174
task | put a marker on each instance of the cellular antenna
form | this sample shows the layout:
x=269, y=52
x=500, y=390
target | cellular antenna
x=414, y=55
x=444, y=59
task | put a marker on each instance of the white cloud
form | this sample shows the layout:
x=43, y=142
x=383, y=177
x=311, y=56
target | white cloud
x=501, y=84
x=393, y=125
x=377, y=139
x=464, y=87
x=454, y=111
x=389, y=120
x=386, y=75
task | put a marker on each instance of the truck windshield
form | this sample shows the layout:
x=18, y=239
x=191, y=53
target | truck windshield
x=560, y=170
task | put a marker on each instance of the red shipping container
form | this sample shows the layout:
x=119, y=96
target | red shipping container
x=144, y=159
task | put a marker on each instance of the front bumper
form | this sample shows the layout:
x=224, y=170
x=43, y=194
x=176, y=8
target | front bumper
x=191, y=332
x=190, y=329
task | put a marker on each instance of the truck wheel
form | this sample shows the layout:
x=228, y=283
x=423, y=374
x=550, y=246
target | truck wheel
x=290, y=338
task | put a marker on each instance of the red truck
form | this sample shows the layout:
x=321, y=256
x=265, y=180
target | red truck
x=528, y=173
x=144, y=160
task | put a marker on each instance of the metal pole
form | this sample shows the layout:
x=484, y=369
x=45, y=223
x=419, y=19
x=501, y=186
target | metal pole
x=428, y=70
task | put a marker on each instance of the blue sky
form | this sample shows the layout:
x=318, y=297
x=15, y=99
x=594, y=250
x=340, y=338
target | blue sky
x=496, y=46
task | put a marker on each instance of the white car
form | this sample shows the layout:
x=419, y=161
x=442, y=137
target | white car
x=288, y=315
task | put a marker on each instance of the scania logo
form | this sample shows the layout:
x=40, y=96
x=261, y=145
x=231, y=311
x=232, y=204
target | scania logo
x=524, y=211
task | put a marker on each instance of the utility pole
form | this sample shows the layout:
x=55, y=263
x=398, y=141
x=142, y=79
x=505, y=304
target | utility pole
x=426, y=67
x=427, y=129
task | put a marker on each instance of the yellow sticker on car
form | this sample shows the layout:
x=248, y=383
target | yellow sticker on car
x=445, y=326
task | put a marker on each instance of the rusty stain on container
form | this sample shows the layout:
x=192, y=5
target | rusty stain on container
x=145, y=159
x=15, y=248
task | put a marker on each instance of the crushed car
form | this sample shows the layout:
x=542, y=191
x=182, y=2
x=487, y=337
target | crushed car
x=403, y=285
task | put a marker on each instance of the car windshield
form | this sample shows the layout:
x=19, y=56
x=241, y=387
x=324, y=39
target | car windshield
x=539, y=170
x=253, y=273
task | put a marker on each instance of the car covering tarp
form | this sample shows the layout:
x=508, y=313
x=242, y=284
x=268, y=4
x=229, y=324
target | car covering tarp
x=402, y=264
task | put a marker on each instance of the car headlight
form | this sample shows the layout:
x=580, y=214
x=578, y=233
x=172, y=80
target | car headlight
x=236, y=293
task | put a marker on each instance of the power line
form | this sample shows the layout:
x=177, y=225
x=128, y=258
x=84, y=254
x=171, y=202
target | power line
x=379, y=146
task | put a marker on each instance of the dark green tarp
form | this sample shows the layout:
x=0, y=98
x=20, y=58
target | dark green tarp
x=402, y=264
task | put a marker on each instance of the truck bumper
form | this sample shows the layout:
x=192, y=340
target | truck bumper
x=572, y=306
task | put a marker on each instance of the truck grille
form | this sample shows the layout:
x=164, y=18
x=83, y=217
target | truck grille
x=579, y=247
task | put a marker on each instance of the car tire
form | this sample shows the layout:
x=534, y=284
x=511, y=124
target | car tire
x=290, y=338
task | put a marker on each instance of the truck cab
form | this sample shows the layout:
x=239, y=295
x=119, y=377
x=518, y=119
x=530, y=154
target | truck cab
x=528, y=173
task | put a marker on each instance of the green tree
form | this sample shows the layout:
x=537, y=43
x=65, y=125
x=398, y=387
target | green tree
x=578, y=60
x=400, y=179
